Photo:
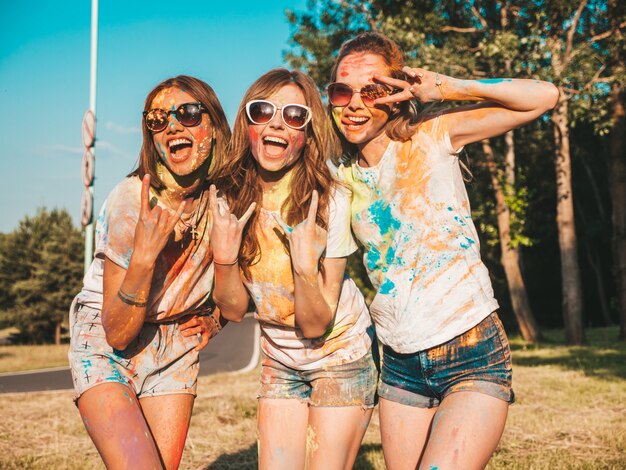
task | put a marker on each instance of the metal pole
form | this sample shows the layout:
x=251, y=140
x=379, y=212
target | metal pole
x=89, y=229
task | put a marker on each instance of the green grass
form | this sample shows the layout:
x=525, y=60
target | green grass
x=569, y=413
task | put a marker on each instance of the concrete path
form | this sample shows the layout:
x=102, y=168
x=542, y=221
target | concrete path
x=236, y=348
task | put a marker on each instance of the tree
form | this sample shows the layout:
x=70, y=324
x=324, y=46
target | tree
x=432, y=39
x=41, y=262
x=617, y=57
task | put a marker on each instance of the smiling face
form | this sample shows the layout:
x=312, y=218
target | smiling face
x=274, y=145
x=182, y=150
x=359, y=124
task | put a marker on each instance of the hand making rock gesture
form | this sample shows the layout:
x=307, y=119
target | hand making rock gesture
x=226, y=229
x=307, y=240
x=155, y=225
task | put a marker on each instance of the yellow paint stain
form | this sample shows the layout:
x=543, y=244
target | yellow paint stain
x=311, y=444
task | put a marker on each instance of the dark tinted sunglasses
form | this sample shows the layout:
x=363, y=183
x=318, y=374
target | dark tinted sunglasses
x=296, y=116
x=188, y=114
x=340, y=94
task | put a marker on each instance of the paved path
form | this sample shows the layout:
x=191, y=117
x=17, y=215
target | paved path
x=235, y=348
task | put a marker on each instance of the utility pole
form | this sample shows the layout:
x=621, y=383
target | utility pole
x=89, y=141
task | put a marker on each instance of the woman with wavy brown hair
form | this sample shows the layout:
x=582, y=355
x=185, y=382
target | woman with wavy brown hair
x=446, y=380
x=143, y=314
x=281, y=236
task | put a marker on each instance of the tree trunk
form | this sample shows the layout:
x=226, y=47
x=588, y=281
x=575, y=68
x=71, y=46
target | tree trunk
x=57, y=334
x=570, y=271
x=618, y=198
x=510, y=256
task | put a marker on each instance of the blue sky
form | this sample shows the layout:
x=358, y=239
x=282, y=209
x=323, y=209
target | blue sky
x=44, y=83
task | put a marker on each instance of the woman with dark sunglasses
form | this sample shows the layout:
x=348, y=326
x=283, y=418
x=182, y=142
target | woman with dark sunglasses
x=281, y=236
x=143, y=314
x=446, y=374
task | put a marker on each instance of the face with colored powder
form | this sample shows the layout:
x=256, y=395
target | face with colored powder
x=358, y=123
x=182, y=149
x=274, y=145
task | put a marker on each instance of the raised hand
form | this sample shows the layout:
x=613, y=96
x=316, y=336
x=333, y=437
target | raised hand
x=420, y=84
x=154, y=226
x=307, y=240
x=226, y=229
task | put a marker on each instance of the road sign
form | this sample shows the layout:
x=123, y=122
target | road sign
x=89, y=129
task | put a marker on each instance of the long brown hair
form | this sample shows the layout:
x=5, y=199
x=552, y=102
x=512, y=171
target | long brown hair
x=239, y=180
x=201, y=91
x=404, y=118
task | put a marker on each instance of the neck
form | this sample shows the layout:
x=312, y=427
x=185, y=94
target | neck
x=276, y=190
x=371, y=152
x=179, y=187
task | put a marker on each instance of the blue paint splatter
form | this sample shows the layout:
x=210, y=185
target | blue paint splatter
x=381, y=215
x=492, y=81
x=373, y=258
x=386, y=287
x=470, y=242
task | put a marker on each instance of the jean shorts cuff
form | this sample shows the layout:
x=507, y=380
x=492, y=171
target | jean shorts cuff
x=493, y=389
x=405, y=397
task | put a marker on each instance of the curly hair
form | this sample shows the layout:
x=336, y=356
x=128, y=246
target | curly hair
x=239, y=181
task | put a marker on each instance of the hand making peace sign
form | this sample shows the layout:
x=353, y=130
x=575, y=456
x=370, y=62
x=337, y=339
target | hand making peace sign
x=420, y=84
x=307, y=240
x=154, y=226
x=226, y=229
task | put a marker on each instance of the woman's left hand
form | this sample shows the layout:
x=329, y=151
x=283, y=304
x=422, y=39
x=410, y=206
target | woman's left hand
x=307, y=240
x=420, y=84
x=199, y=325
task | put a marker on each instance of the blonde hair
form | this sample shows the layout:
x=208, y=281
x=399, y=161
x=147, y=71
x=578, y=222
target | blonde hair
x=239, y=181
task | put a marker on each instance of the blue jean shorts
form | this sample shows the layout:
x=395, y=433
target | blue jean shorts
x=351, y=384
x=478, y=360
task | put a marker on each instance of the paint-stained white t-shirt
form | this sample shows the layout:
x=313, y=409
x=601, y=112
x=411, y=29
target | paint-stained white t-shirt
x=412, y=214
x=272, y=290
x=182, y=281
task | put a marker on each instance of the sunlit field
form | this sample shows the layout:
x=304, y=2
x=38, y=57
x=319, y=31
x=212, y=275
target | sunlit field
x=570, y=414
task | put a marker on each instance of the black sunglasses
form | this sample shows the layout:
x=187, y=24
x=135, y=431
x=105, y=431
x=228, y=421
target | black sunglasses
x=188, y=114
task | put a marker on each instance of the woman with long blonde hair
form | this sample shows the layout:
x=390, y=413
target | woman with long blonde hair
x=282, y=233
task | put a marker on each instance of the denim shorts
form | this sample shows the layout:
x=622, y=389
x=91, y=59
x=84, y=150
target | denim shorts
x=478, y=360
x=351, y=384
x=160, y=361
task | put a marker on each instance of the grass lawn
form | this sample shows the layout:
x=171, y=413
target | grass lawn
x=569, y=414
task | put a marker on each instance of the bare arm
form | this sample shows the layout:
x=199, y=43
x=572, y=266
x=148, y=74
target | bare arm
x=315, y=298
x=229, y=293
x=125, y=292
x=505, y=103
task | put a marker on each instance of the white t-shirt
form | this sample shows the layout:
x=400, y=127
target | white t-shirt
x=182, y=282
x=272, y=290
x=412, y=214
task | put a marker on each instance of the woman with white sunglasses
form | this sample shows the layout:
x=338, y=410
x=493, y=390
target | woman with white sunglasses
x=281, y=236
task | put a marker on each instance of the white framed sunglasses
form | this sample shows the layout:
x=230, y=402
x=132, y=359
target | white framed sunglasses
x=296, y=116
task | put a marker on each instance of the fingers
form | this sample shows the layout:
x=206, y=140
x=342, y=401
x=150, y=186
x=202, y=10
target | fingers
x=311, y=217
x=213, y=204
x=145, y=194
x=246, y=216
x=176, y=217
x=192, y=322
x=417, y=74
x=204, y=341
x=394, y=82
x=286, y=228
x=402, y=96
